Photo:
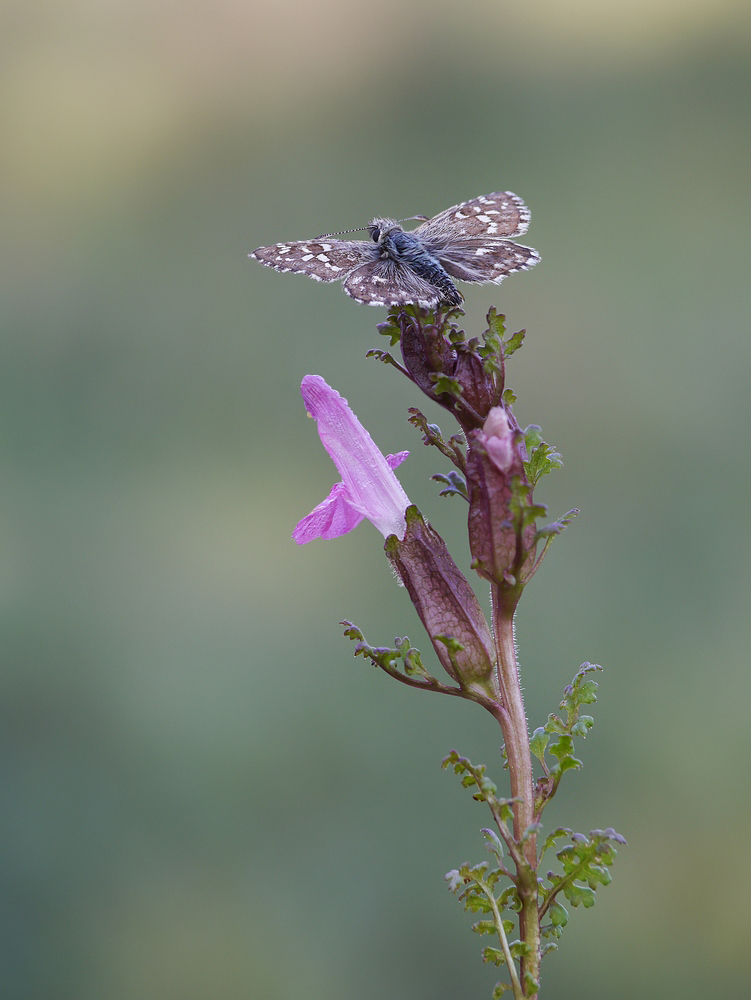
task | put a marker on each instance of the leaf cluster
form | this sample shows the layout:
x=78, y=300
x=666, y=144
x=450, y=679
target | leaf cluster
x=561, y=730
x=475, y=885
x=402, y=661
x=586, y=861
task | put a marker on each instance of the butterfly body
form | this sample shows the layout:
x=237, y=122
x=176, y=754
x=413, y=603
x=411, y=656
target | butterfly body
x=397, y=267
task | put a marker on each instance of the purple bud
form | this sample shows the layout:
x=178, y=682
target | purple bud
x=499, y=543
x=445, y=602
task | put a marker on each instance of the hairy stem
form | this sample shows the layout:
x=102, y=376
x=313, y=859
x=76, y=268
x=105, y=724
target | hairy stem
x=516, y=736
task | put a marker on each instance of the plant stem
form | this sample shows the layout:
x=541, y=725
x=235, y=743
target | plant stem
x=498, y=919
x=516, y=736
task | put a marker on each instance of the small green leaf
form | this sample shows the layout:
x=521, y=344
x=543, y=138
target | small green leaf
x=579, y=894
x=456, y=484
x=446, y=383
x=563, y=748
x=496, y=323
x=542, y=457
x=494, y=955
x=558, y=915
x=484, y=927
x=538, y=742
x=499, y=989
x=413, y=665
x=509, y=397
x=551, y=838
x=477, y=902
x=390, y=329
x=513, y=343
x=531, y=985
x=518, y=949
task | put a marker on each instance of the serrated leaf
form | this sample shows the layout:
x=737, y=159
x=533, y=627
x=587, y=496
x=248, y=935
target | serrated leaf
x=555, y=725
x=542, y=457
x=564, y=747
x=496, y=322
x=499, y=989
x=553, y=836
x=579, y=895
x=513, y=343
x=569, y=764
x=494, y=955
x=390, y=329
x=447, y=384
x=558, y=915
x=484, y=927
x=538, y=742
x=519, y=949
x=478, y=902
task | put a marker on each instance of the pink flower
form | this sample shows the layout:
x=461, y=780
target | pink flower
x=368, y=488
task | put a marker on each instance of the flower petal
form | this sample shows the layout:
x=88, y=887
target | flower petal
x=333, y=517
x=369, y=488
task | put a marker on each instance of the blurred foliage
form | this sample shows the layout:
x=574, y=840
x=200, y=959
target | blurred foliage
x=200, y=795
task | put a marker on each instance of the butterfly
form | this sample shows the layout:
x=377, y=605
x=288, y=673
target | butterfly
x=396, y=267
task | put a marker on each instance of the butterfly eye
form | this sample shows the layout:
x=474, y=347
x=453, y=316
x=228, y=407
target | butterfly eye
x=375, y=233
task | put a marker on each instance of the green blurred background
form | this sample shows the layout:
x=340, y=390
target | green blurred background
x=203, y=794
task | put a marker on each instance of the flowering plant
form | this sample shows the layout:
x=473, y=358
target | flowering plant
x=497, y=466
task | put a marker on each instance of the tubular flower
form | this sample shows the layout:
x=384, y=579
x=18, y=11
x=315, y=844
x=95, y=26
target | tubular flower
x=368, y=488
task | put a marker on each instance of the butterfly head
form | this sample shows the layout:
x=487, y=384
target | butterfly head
x=381, y=229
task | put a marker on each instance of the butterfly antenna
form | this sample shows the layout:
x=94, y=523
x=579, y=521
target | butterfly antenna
x=342, y=233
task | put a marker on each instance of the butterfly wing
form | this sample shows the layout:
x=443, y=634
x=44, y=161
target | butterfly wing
x=486, y=260
x=390, y=283
x=500, y=214
x=322, y=260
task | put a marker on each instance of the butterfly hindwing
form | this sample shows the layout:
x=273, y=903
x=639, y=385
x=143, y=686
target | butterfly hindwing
x=484, y=260
x=390, y=283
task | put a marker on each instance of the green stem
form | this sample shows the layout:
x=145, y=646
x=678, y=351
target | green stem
x=498, y=920
x=516, y=736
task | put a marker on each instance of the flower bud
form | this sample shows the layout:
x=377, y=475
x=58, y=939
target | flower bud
x=432, y=350
x=445, y=602
x=501, y=544
x=481, y=390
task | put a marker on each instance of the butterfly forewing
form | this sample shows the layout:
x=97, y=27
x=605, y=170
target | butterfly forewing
x=491, y=215
x=322, y=260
